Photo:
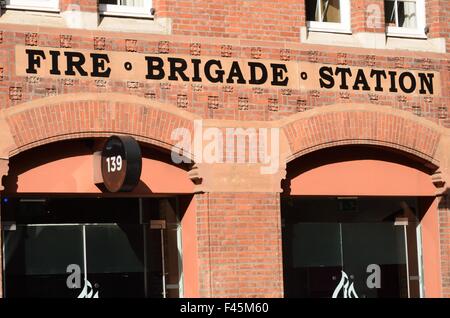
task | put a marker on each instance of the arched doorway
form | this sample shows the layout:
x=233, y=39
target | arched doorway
x=360, y=221
x=64, y=236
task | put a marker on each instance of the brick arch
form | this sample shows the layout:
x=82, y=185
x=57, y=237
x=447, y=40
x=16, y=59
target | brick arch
x=362, y=124
x=73, y=116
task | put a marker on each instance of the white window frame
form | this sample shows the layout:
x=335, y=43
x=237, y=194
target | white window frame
x=345, y=26
x=418, y=31
x=127, y=11
x=47, y=5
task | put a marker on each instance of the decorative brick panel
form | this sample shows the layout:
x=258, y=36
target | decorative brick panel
x=416, y=110
x=65, y=41
x=150, y=95
x=213, y=102
x=163, y=47
x=313, y=56
x=15, y=93
x=342, y=59
x=31, y=39
x=272, y=104
x=442, y=112
x=196, y=49
x=131, y=45
x=286, y=91
x=165, y=86
x=99, y=43
x=370, y=60
x=285, y=54
x=227, y=89
x=132, y=85
x=101, y=83
x=258, y=90
x=256, y=52
x=50, y=91
x=226, y=51
x=243, y=103
x=182, y=101
x=301, y=105
x=197, y=87
x=68, y=82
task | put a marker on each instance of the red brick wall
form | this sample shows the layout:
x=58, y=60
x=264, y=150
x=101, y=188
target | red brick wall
x=275, y=20
x=16, y=90
x=256, y=20
x=444, y=220
x=84, y=5
x=239, y=245
x=367, y=16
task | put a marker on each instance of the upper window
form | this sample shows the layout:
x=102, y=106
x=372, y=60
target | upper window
x=126, y=7
x=405, y=18
x=41, y=5
x=328, y=15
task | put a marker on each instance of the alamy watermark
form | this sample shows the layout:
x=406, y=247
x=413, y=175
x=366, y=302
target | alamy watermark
x=227, y=145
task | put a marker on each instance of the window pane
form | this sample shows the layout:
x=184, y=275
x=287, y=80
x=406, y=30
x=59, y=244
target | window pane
x=37, y=259
x=312, y=10
x=331, y=11
x=389, y=13
x=407, y=14
x=131, y=3
x=109, y=2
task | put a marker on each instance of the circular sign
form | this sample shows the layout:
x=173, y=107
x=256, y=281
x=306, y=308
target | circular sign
x=121, y=163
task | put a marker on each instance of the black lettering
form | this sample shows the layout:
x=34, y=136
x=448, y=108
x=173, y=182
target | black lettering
x=72, y=63
x=361, y=80
x=55, y=56
x=326, y=77
x=257, y=81
x=277, y=71
x=401, y=82
x=426, y=80
x=34, y=59
x=235, y=71
x=152, y=67
x=393, y=88
x=99, y=68
x=378, y=74
x=219, y=71
x=196, y=64
x=343, y=72
x=177, y=65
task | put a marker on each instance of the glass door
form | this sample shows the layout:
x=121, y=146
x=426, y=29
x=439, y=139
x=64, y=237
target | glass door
x=36, y=259
x=91, y=247
x=73, y=260
x=350, y=247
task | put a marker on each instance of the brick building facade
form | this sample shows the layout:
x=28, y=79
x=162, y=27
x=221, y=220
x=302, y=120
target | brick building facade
x=343, y=142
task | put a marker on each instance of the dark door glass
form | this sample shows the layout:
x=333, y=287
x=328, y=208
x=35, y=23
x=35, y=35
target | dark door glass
x=359, y=247
x=115, y=260
x=37, y=257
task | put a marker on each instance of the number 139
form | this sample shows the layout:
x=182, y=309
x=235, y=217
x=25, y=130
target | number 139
x=114, y=163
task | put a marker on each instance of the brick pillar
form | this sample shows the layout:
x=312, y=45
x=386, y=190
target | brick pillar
x=444, y=229
x=3, y=172
x=368, y=16
x=239, y=245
